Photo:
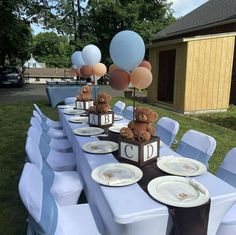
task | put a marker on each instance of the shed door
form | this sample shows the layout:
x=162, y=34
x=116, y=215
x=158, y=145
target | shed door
x=166, y=76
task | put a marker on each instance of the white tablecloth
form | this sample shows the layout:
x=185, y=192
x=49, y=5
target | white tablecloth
x=130, y=210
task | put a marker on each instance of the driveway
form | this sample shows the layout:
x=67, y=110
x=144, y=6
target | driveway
x=38, y=92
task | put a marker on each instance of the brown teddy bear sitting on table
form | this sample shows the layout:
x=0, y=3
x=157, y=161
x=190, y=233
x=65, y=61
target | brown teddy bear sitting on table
x=85, y=94
x=101, y=105
x=141, y=129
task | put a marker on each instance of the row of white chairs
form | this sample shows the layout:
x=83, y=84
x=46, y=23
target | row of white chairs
x=49, y=185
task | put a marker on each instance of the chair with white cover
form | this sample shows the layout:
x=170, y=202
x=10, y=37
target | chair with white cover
x=46, y=216
x=128, y=112
x=167, y=129
x=54, y=133
x=61, y=145
x=65, y=186
x=47, y=120
x=70, y=100
x=58, y=161
x=197, y=145
x=118, y=107
x=227, y=172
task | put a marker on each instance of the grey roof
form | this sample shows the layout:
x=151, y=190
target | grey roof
x=211, y=12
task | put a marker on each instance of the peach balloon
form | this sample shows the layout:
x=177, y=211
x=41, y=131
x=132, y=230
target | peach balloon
x=119, y=79
x=86, y=71
x=99, y=69
x=141, y=77
x=146, y=64
x=77, y=71
x=112, y=68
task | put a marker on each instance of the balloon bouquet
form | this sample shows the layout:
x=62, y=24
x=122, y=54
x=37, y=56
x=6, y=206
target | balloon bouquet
x=87, y=63
x=127, y=52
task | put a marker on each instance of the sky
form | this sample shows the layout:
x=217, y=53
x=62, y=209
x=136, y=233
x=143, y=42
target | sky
x=180, y=7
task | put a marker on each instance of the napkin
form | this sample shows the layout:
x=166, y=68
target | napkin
x=197, y=185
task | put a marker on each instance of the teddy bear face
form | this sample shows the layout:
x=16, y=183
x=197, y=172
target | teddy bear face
x=145, y=115
x=86, y=89
x=103, y=98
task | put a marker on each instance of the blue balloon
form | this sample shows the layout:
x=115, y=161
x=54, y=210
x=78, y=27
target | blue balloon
x=127, y=50
x=77, y=59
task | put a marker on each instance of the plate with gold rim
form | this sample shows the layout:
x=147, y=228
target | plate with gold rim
x=181, y=166
x=116, y=174
x=178, y=191
x=100, y=147
x=88, y=131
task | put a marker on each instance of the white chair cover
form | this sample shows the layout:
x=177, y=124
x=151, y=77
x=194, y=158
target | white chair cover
x=31, y=190
x=128, y=112
x=227, y=172
x=70, y=100
x=66, y=186
x=57, y=134
x=47, y=217
x=61, y=145
x=197, y=145
x=167, y=129
x=48, y=121
x=119, y=107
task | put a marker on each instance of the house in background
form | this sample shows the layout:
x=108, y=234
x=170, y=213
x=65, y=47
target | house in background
x=194, y=60
x=32, y=63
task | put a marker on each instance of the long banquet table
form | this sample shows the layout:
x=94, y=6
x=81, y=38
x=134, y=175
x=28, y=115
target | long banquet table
x=130, y=210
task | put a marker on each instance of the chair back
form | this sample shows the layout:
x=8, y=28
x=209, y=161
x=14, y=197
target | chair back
x=167, y=129
x=43, y=116
x=118, y=107
x=38, y=201
x=70, y=100
x=227, y=169
x=197, y=145
x=128, y=112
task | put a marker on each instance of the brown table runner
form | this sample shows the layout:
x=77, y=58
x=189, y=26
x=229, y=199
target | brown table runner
x=186, y=221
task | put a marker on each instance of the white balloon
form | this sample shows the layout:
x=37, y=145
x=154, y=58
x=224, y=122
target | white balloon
x=91, y=54
x=77, y=59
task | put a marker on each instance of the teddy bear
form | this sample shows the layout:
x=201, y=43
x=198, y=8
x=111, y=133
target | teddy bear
x=101, y=105
x=141, y=129
x=85, y=94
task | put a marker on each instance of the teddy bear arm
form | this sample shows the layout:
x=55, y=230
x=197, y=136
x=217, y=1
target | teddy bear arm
x=151, y=130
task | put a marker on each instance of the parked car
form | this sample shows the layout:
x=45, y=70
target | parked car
x=11, y=75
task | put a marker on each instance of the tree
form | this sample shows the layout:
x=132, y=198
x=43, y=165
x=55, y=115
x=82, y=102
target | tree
x=107, y=17
x=52, y=49
x=15, y=32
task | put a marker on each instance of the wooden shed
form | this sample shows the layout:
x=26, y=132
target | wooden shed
x=194, y=70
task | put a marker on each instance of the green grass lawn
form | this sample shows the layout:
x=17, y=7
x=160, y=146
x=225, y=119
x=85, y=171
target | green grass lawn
x=14, y=123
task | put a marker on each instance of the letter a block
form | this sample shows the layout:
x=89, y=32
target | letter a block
x=83, y=104
x=139, y=153
x=101, y=119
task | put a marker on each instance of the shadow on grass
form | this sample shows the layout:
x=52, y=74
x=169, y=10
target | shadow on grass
x=228, y=122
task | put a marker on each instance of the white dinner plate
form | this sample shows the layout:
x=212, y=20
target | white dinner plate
x=117, y=174
x=181, y=166
x=118, y=117
x=79, y=119
x=100, y=146
x=74, y=111
x=178, y=191
x=87, y=131
x=117, y=128
x=65, y=106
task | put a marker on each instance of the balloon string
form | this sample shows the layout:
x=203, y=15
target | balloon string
x=134, y=104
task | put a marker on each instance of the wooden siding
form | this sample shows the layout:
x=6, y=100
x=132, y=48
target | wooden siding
x=208, y=74
x=180, y=70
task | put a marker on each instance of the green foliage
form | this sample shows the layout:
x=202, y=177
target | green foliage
x=51, y=49
x=100, y=20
